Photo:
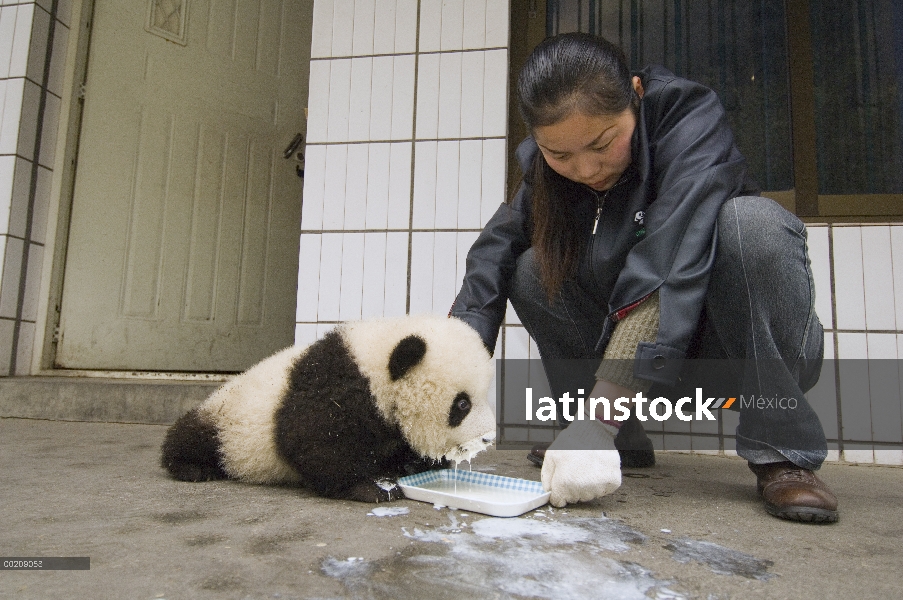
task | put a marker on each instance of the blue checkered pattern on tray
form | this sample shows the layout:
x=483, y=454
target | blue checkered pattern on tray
x=487, y=479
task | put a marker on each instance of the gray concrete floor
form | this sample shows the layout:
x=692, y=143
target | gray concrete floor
x=690, y=527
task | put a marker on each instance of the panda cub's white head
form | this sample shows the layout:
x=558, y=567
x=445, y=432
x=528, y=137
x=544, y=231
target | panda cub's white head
x=431, y=375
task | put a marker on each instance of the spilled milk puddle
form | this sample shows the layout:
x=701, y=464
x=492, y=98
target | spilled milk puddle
x=527, y=557
x=515, y=558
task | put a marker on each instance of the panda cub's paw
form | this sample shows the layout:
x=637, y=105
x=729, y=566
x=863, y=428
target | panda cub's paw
x=378, y=491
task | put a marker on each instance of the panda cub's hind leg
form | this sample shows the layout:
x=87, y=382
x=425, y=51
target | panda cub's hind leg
x=191, y=449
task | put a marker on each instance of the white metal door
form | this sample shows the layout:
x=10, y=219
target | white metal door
x=183, y=244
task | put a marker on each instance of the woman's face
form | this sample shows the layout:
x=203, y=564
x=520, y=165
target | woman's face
x=592, y=150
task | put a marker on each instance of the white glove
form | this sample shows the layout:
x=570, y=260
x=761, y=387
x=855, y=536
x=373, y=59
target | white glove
x=582, y=463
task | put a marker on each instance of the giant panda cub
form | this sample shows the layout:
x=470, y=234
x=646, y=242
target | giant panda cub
x=368, y=402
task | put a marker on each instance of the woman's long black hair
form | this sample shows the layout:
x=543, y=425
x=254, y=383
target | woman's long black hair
x=571, y=72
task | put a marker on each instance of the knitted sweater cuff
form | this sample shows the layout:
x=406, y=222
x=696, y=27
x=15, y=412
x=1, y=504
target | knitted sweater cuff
x=640, y=325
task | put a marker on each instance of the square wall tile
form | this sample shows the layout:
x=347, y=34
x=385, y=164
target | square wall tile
x=362, y=89
x=21, y=198
x=18, y=60
x=853, y=376
x=450, y=77
x=402, y=97
x=405, y=26
x=363, y=28
x=7, y=170
x=472, y=81
x=427, y=125
x=352, y=277
x=37, y=53
x=820, y=259
x=452, y=25
x=384, y=19
x=305, y=334
x=445, y=258
x=314, y=187
x=400, y=185
x=517, y=343
x=9, y=284
x=470, y=184
x=339, y=100
x=13, y=91
x=896, y=253
x=33, y=282
x=425, y=177
x=888, y=457
x=6, y=343
x=396, y=274
x=41, y=206
x=430, y=25
x=308, y=277
x=377, y=194
x=356, y=186
x=334, y=188
x=884, y=385
x=25, y=348
x=474, y=34
x=64, y=12
x=422, y=272
x=878, y=278
x=58, y=59
x=497, y=23
x=374, y=283
x=859, y=455
x=447, y=179
x=7, y=37
x=330, y=277
x=28, y=124
x=318, y=101
x=848, y=278
x=495, y=94
x=382, y=85
x=465, y=241
x=49, y=130
x=493, y=180
x=321, y=34
x=342, y=28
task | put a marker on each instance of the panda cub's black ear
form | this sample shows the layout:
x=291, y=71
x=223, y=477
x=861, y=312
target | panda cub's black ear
x=406, y=355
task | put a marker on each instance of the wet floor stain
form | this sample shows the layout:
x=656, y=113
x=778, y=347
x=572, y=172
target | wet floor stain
x=516, y=558
x=721, y=560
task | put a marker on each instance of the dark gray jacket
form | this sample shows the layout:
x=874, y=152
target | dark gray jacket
x=656, y=232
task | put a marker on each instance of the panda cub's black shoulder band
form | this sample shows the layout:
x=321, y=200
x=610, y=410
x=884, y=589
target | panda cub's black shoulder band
x=406, y=355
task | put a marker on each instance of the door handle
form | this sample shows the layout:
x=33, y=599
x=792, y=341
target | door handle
x=292, y=146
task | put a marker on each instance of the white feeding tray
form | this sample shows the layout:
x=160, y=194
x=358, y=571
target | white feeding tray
x=474, y=491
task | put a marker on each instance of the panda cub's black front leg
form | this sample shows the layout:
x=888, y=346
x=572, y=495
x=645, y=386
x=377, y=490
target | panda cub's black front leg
x=382, y=491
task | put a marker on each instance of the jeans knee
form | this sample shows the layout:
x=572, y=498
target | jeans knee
x=758, y=230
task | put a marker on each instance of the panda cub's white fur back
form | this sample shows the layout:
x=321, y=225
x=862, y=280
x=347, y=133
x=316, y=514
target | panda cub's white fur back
x=371, y=400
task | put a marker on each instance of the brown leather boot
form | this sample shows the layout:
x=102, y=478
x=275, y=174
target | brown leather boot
x=791, y=492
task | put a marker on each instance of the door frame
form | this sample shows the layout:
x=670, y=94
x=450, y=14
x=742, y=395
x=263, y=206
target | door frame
x=62, y=185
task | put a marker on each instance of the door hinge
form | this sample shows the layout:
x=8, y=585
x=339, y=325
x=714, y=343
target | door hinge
x=57, y=335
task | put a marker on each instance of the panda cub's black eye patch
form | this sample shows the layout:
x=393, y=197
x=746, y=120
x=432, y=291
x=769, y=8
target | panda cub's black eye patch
x=459, y=409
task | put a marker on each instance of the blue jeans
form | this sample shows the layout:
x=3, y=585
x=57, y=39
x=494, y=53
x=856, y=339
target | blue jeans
x=758, y=325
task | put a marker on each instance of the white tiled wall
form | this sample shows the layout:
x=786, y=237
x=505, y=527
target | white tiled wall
x=27, y=149
x=405, y=155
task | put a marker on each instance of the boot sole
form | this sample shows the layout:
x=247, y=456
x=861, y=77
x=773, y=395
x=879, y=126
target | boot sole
x=802, y=514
